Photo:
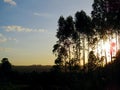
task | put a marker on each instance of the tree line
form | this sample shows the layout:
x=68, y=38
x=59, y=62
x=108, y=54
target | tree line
x=79, y=37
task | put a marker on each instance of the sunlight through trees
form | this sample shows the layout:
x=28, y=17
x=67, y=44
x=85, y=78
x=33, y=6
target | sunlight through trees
x=86, y=41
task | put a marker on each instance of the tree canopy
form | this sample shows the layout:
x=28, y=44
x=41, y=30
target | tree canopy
x=79, y=36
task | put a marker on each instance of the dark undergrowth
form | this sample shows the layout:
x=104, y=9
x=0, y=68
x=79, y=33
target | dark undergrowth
x=107, y=78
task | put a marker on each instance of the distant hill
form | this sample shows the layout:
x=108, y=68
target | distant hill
x=32, y=68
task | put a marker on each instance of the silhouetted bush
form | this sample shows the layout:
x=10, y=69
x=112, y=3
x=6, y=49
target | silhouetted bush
x=6, y=65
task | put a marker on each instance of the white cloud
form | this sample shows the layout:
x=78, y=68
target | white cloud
x=11, y=2
x=15, y=28
x=3, y=49
x=42, y=14
x=2, y=38
x=12, y=39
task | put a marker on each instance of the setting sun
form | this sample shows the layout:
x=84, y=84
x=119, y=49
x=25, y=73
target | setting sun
x=107, y=48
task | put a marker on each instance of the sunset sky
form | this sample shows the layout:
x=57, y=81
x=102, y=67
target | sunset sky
x=28, y=28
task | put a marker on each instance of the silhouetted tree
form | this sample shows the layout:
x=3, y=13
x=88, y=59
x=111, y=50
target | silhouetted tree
x=79, y=25
x=6, y=65
x=83, y=24
x=99, y=21
x=65, y=35
x=106, y=18
x=73, y=34
x=59, y=48
x=118, y=55
x=92, y=61
x=61, y=53
x=69, y=31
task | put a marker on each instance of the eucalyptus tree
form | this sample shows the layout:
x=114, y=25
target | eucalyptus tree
x=106, y=18
x=83, y=26
x=69, y=41
x=78, y=25
x=63, y=45
x=99, y=20
x=75, y=38
x=69, y=30
x=99, y=17
x=113, y=17
x=87, y=29
x=58, y=49
x=62, y=55
x=61, y=29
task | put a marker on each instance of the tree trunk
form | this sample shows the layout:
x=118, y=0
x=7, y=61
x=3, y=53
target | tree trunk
x=83, y=50
x=79, y=48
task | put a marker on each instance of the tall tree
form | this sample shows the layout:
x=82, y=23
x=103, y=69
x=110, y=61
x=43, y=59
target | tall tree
x=78, y=25
x=58, y=47
x=99, y=19
x=69, y=31
x=83, y=25
x=106, y=18
x=64, y=35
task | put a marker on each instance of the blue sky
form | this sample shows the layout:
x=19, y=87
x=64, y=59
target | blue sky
x=28, y=28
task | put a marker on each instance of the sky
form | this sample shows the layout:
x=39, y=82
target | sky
x=28, y=28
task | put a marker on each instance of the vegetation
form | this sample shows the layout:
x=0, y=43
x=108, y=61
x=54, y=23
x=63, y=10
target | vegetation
x=79, y=38
x=78, y=41
x=101, y=78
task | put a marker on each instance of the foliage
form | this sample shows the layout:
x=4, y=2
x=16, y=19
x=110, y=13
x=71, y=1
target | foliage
x=68, y=73
x=6, y=65
x=92, y=61
x=101, y=78
x=74, y=35
x=69, y=33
